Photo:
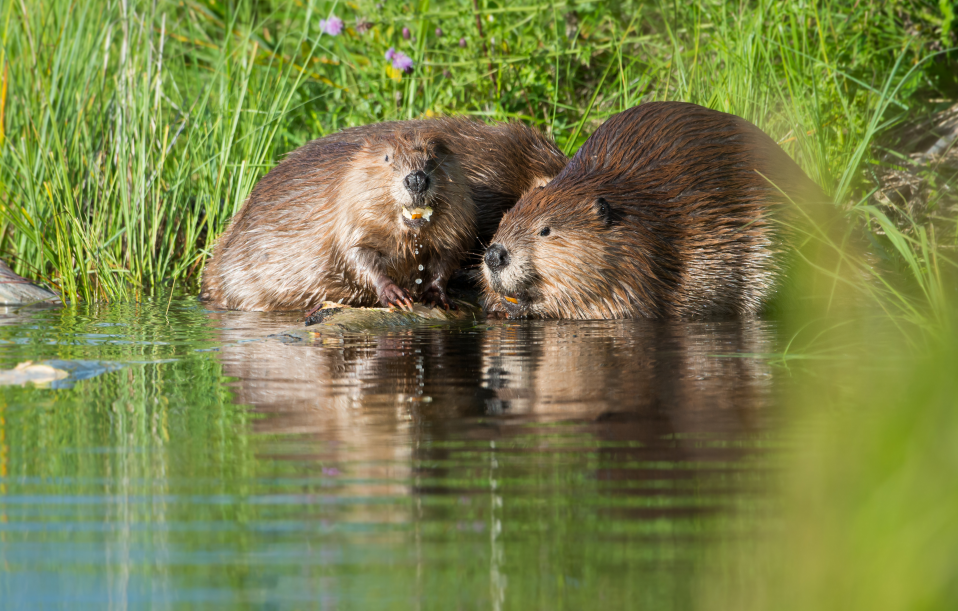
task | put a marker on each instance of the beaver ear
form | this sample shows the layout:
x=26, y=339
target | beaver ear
x=604, y=209
x=438, y=146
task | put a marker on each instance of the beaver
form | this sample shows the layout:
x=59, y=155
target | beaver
x=381, y=220
x=669, y=210
x=314, y=230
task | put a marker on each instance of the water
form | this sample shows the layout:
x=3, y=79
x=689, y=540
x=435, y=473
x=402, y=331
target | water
x=188, y=461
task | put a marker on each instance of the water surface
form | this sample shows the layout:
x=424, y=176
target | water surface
x=189, y=460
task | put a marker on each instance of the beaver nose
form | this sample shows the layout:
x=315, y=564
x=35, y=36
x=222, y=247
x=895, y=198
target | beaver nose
x=416, y=182
x=497, y=257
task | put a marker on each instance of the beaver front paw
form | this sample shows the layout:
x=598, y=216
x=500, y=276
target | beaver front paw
x=434, y=296
x=391, y=294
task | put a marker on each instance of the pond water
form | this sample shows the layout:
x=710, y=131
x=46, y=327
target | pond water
x=189, y=460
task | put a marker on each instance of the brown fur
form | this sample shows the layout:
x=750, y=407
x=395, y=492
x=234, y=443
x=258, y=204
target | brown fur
x=501, y=161
x=327, y=224
x=666, y=211
x=322, y=225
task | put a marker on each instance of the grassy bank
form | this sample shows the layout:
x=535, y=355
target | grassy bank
x=133, y=130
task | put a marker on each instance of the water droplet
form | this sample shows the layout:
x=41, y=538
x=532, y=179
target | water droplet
x=417, y=251
x=418, y=280
x=421, y=268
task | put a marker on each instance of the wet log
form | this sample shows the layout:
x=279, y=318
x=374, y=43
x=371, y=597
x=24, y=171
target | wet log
x=335, y=318
x=346, y=317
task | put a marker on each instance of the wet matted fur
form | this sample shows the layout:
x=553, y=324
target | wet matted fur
x=327, y=223
x=668, y=210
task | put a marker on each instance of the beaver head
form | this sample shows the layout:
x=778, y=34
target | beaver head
x=559, y=253
x=418, y=177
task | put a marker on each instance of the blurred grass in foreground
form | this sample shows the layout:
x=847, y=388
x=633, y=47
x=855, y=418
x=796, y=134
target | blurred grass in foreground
x=869, y=506
x=133, y=130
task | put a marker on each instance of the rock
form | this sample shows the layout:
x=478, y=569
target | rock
x=30, y=372
x=56, y=373
x=15, y=290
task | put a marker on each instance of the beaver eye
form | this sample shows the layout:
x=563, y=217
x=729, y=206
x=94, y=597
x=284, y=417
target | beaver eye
x=545, y=231
x=604, y=210
x=387, y=157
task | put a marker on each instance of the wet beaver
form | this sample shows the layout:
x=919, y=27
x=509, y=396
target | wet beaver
x=325, y=225
x=667, y=210
x=382, y=220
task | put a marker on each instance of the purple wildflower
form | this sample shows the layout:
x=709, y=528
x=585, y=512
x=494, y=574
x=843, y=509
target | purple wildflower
x=438, y=32
x=462, y=43
x=401, y=61
x=330, y=471
x=405, y=33
x=332, y=26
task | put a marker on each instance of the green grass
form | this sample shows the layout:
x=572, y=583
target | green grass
x=132, y=131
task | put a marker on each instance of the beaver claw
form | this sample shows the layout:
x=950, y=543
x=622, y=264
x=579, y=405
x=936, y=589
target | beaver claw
x=434, y=296
x=391, y=294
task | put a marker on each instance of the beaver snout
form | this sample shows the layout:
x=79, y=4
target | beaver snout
x=416, y=182
x=497, y=257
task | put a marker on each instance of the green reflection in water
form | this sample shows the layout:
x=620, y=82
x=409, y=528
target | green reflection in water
x=514, y=466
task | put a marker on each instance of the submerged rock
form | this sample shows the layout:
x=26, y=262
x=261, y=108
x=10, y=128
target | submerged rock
x=55, y=373
x=15, y=290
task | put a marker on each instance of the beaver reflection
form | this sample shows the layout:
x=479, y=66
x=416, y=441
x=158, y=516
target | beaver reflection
x=669, y=385
x=377, y=393
x=600, y=369
x=447, y=434
x=649, y=409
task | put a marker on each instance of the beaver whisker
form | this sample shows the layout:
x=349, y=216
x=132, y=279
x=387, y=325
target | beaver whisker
x=436, y=168
x=482, y=244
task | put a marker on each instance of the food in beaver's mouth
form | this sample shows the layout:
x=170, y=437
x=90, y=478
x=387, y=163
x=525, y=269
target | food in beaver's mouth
x=417, y=213
x=510, y=299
